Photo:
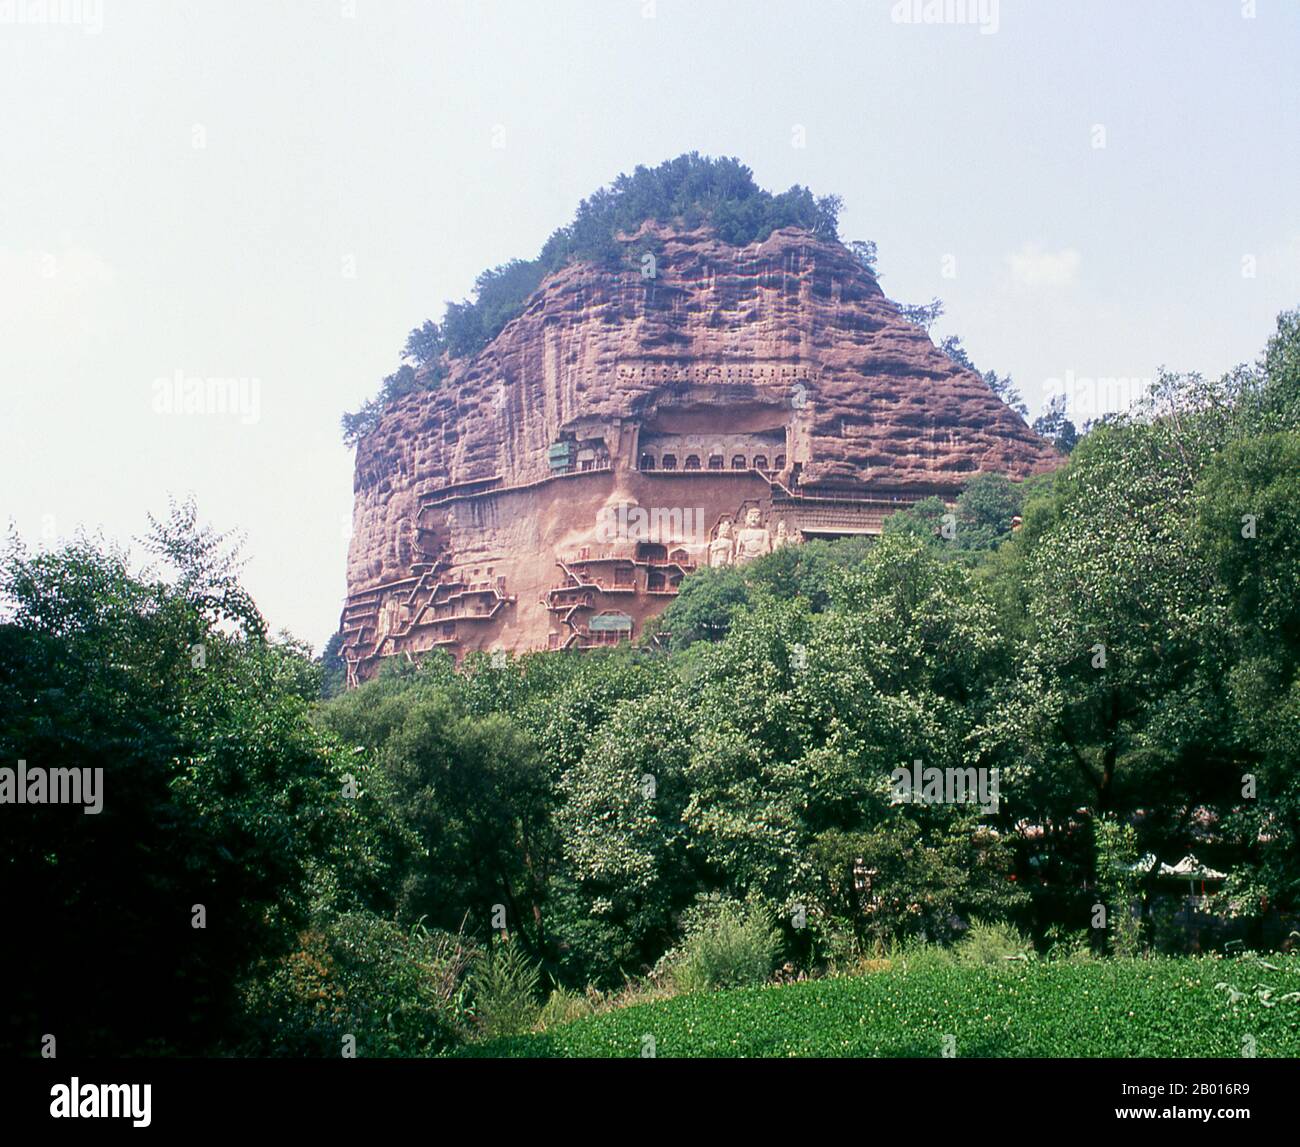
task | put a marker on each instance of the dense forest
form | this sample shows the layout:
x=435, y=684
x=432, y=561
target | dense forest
x=446, y=851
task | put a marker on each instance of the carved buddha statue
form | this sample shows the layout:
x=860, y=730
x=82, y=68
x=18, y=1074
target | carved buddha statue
x=753, y=540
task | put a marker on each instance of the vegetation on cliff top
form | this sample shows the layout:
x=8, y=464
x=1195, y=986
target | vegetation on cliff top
x=691, y=190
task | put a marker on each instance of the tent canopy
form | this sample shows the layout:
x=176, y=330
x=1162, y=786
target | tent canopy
x=1189, y=868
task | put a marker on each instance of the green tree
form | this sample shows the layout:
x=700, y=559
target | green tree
x=424, y=345
x=704, y=606
x=220, y=802
x=1054, y=424
x=627, y=850
x=986, y=511
x=1250, y=526
x=472, y=795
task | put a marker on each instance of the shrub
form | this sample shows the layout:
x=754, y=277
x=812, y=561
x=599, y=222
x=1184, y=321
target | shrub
x=991, y=944
x=397, y=992
x=1062, y=944
x=562, y=1006
x=727, y=945
x=1118, y=884
x=504, y=983
x=914, y=954
x=837, y=945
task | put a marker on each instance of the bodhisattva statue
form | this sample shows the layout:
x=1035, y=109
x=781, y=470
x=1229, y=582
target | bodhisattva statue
x=413, y=541
x=388, y=615
x=785, y=538
x=722, y=548
x=752, y=541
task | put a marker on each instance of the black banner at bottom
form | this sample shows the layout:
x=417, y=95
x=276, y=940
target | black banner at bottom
x=144, y=1097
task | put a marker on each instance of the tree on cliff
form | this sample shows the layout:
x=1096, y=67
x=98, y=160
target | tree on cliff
x=424, y=345
x=1002, y=386
x=1055, y=425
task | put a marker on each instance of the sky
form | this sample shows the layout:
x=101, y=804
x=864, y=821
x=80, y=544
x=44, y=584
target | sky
x=274, y=194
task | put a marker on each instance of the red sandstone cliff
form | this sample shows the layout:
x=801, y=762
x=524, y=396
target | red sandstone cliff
x=732, y=401
x=792, y=321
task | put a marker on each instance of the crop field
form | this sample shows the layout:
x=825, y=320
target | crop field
x=1180, y=1007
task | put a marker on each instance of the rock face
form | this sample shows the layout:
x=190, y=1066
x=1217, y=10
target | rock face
x=631, y=425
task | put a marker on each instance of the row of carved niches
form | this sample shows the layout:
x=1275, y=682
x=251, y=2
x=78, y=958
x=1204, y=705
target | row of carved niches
x=712, y=450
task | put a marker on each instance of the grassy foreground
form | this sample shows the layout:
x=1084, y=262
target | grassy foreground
x=1202, y=1007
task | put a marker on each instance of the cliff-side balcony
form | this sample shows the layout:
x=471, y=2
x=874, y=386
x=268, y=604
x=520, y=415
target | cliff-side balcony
x=467, y=591
x=600, y=639
x=482, y=613
x=623, y=581
x=562, y=599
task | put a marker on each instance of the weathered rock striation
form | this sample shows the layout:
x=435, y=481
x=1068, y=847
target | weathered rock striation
x=554, y=489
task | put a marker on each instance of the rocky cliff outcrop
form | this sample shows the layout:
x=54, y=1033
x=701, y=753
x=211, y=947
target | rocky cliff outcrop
x=776, y=376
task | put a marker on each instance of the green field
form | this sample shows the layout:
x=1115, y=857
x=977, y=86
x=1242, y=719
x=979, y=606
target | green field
x=1119, y=1008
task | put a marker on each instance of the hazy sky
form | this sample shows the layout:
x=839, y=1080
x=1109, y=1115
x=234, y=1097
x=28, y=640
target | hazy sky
x=279, y=191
